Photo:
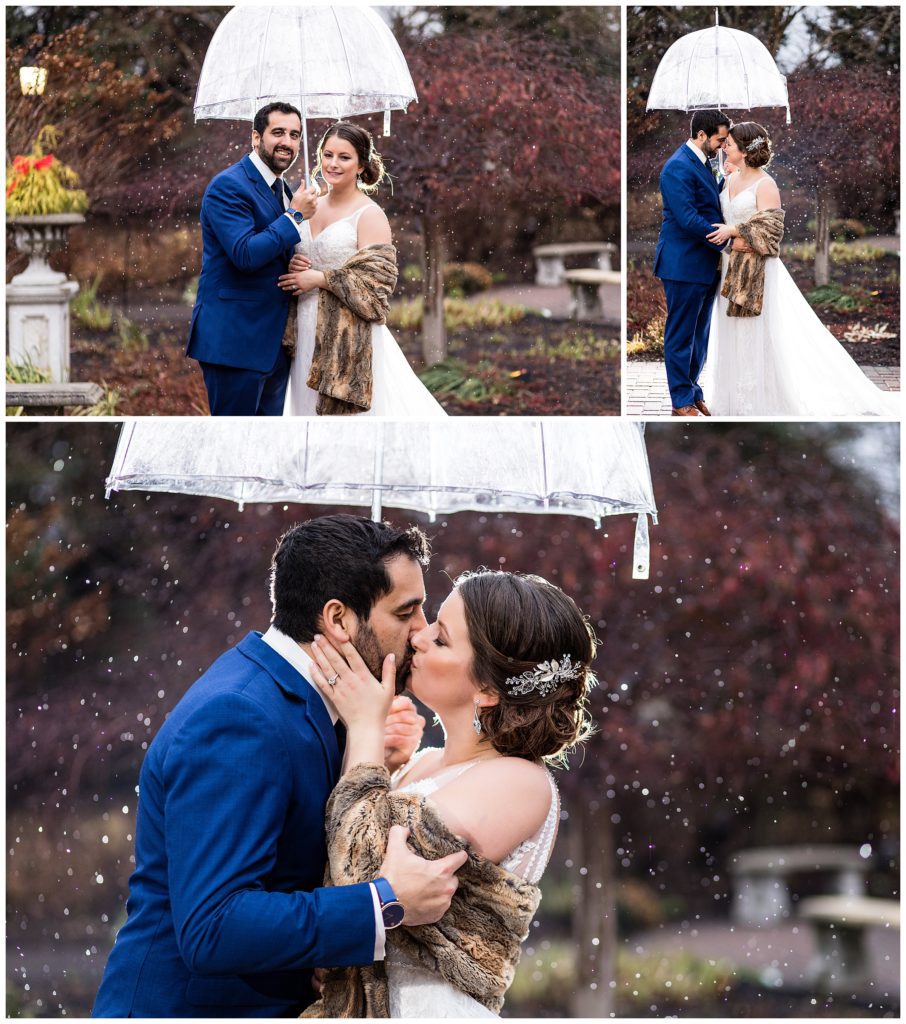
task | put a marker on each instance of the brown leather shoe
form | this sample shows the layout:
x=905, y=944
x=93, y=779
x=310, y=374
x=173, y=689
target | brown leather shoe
x=702, y=408
x=686, y=410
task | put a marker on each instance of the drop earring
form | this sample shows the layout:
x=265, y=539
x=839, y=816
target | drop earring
x=476, y=721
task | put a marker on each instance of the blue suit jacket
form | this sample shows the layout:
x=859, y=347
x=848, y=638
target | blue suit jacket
x=225, y=917
x=247, y=243
x=691, y=199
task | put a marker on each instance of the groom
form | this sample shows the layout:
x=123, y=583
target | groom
x=226, y=913
x=686, y=262
x=250, y=222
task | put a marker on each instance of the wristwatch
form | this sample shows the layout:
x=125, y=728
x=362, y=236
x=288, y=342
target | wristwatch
x=392, y=910
x=296, y=216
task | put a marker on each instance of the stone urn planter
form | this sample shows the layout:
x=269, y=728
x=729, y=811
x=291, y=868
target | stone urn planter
x=37, y=300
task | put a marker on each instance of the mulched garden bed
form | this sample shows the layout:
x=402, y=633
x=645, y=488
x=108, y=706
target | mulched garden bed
x=534, y=367
x=874, y=286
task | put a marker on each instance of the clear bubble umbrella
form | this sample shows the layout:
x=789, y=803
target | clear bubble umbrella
x=718, y=68
x=330, y=62
x=574, y=466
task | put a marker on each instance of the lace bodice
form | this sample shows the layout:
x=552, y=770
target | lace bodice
x=530, y=857
x=334, y=245
x=743, y=204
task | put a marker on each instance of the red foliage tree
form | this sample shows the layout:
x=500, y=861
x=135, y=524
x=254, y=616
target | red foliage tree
x=846, y=128
x=500, y=118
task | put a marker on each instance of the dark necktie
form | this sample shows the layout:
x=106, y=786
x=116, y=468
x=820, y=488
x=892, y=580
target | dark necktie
x=278, y=192
x=340, y=730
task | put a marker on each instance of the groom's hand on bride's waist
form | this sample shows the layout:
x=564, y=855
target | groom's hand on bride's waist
x=423, y=887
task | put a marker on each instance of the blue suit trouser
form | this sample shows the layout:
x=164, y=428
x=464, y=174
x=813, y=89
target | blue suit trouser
x=235, y=392
x=686, y=332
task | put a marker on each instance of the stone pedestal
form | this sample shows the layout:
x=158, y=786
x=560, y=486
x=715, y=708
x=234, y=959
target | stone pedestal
x=37, y=300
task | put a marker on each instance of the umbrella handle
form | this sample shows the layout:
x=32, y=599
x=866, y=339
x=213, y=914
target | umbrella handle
x=305, y=145
x=641, y=552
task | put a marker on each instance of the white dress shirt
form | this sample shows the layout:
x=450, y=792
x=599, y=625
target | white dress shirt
x=270, y=178
x=290, y=651
x=689, y=143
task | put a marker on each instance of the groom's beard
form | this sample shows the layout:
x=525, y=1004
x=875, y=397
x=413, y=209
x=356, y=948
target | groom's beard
x=371, y=652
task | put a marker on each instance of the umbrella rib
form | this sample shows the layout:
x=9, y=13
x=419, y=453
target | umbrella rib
x=745, y=73
x=261, y=48
x=346, y=56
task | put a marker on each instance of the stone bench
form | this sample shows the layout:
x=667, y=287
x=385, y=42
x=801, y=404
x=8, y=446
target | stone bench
x=52, y=399
x=839, y=924
x=763, y=876
x=550, y=270
x=585, y=295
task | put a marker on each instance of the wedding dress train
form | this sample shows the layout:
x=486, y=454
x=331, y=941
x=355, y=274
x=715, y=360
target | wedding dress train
x=396, y=389
x=415, y=992
x=784, y=362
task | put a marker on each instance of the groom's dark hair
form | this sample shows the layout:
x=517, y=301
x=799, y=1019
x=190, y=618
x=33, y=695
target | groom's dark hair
x=707, y=121
x=264, y=114
x=336, y=557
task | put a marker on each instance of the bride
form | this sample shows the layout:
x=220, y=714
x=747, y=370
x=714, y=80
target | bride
x=783, y=361
x=506, y=668
x=345, y=223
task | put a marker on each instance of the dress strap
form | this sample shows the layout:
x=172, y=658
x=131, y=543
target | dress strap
x=354, y=216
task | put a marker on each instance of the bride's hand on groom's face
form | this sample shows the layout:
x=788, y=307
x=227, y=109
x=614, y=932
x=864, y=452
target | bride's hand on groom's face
x=343, y=677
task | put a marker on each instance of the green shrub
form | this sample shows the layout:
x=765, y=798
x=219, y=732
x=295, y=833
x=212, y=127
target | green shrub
x=413, y=273
x=190, y=292
x=23, y=373
x=87, y=310
x=467, y=278
x=649, y=339
x=132, y=337
x=452, y=377
x=457, y=313
x=844, y=229
x=832, y=296
x=840, y=252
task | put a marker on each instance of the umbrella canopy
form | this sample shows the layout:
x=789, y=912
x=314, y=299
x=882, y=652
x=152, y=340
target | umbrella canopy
x=718, y=67
x=575, y=466
x=330, y=62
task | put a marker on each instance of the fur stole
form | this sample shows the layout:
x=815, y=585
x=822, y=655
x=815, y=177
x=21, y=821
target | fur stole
x=744, y=284
x=476, y=944
x=355, y=296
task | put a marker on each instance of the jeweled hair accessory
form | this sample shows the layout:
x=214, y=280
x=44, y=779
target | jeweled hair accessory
x=755, y=143
x=544, y=677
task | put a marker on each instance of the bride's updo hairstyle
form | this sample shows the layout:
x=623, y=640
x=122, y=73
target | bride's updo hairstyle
x=517, y=623
x=754, y=141
x=362, y=141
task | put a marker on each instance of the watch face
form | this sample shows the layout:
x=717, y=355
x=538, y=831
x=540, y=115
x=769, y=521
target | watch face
x=393, y=914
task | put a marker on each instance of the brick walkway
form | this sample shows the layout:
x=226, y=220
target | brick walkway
x=645, y=386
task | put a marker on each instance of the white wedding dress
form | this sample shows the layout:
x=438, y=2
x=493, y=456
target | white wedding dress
x=784, y=362
x=415, y=992
x=396, y=390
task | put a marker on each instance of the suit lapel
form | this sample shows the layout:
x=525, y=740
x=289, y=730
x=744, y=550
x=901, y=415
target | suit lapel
x=266, y=194
x=703, y=168
x=298, y=690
